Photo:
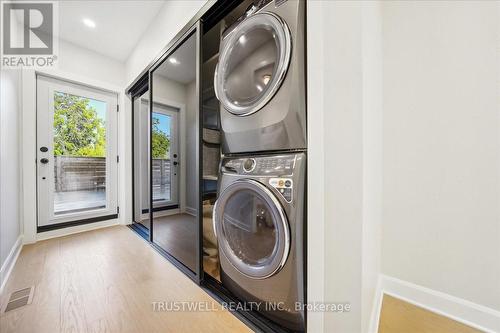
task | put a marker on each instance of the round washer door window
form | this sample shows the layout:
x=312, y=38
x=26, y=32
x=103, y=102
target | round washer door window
x=252, y=229
x=253, y=61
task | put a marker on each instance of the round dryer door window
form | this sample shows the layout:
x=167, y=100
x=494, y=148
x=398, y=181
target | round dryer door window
x=253, y=61
x=252, y=229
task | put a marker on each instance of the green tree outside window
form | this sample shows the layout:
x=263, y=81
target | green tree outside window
x=159, y=141
x=78, y=130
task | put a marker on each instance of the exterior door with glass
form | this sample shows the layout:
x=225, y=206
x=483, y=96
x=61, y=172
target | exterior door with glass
x=77, y=160
x=164, y=147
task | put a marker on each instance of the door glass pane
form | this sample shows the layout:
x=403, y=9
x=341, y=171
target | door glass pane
x=175, y=159
x=161, y=138
x=253, y=61
x=79, y=146
x=250, y=65
x=247, y=220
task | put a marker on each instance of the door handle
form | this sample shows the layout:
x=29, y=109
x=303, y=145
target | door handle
x=44, y=160
x=44, y=149
x=175, y=163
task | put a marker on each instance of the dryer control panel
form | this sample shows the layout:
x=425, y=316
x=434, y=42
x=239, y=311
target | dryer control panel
x=260, y=165
x=284, y=186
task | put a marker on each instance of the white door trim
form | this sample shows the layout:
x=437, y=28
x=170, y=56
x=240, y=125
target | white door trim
x=28, y=151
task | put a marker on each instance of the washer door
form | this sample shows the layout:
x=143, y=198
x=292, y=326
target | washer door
x=253, y=62
x=252, y=229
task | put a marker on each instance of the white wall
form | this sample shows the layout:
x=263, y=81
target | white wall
x=170, y=20
x=83, y=62
x=168, y=90
x=316, y=187
x=404, y=134
x=441, y=147
x=191, y=156
x=372, y=162
x=10, y=182
x=10, y=176
x=344, y=143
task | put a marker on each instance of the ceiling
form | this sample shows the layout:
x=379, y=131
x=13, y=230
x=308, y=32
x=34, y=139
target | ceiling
x=184, y=71
x=119, y=25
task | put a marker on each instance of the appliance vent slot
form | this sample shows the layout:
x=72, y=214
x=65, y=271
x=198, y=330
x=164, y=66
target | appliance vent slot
x=20, y=298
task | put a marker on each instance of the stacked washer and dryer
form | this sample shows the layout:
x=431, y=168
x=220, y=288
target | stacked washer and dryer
x=259, y=215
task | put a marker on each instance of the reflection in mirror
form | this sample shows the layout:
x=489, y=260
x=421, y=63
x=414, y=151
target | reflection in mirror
x=175, y=154
x=141, y=159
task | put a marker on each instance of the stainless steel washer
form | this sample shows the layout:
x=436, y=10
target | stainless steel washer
x=260, y=80
x=259, y=223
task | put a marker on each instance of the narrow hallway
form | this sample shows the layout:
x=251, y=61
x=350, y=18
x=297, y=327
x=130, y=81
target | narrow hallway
x=92, y=282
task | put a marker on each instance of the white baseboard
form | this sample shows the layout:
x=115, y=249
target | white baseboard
x=190, y=211
x=76, y=229
x=167, y=212
x=161, y=213
x=466, y=312
x=10, y=262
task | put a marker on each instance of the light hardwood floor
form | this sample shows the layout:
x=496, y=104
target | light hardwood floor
x=106, y=281
x=176, y=234
x=398, y=316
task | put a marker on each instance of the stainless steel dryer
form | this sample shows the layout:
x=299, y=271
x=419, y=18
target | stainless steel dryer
x=260, y=80
x=259, y=223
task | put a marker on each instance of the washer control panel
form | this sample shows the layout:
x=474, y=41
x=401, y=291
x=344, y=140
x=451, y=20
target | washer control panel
x=249, y=164
x=284, y=186
x=261, y=165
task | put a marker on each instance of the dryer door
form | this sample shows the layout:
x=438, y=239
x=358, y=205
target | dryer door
x=252, y=229
x=253, y=61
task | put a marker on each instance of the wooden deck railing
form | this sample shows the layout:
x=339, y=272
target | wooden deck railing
x=89, y=173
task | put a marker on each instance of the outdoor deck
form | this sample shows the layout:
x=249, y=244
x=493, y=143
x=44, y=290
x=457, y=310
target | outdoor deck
x=82, y=200
x=80, y=183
